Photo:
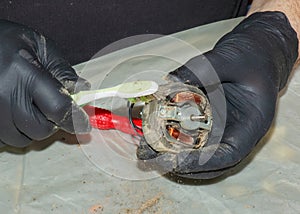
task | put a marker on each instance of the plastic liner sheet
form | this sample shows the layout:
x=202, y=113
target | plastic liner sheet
x=100, y=175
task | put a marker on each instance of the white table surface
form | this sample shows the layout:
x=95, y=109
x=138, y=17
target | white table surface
x=59, y=176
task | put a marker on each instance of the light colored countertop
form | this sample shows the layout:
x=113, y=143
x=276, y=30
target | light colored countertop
x=101, y=175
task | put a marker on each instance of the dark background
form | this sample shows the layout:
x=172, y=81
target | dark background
x=83, y=27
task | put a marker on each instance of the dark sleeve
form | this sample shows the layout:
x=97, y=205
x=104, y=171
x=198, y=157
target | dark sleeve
x=83, y=27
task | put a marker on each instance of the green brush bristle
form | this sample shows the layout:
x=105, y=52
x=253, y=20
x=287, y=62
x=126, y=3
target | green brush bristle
x=145, y=99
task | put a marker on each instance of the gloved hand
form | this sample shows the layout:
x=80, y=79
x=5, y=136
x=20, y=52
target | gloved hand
x=253, y=63
x=35, y=82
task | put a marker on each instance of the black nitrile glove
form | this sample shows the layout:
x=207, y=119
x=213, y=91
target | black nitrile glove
x=253, y=63
x=35, y=82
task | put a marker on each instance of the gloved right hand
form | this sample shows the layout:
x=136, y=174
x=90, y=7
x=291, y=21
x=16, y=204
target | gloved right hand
x=35, y=87
x=253, y=63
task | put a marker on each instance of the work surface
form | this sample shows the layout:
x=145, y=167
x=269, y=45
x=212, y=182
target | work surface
x=101, y=175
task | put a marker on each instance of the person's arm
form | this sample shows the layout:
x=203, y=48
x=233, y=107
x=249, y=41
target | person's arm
x=291, y=8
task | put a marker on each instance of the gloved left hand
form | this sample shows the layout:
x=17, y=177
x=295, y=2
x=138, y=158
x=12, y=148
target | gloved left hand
x=253, y=63
x=35, y=86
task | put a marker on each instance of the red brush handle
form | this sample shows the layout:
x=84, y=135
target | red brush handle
x=104, y=120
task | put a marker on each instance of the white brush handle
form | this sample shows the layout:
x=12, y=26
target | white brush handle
x=125, y=90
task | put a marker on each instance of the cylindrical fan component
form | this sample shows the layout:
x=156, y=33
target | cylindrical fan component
x=179, y=118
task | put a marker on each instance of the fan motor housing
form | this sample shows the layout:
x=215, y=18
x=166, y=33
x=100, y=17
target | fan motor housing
x=179, y=118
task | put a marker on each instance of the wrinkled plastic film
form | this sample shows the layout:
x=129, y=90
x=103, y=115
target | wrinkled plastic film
x=59, y=176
